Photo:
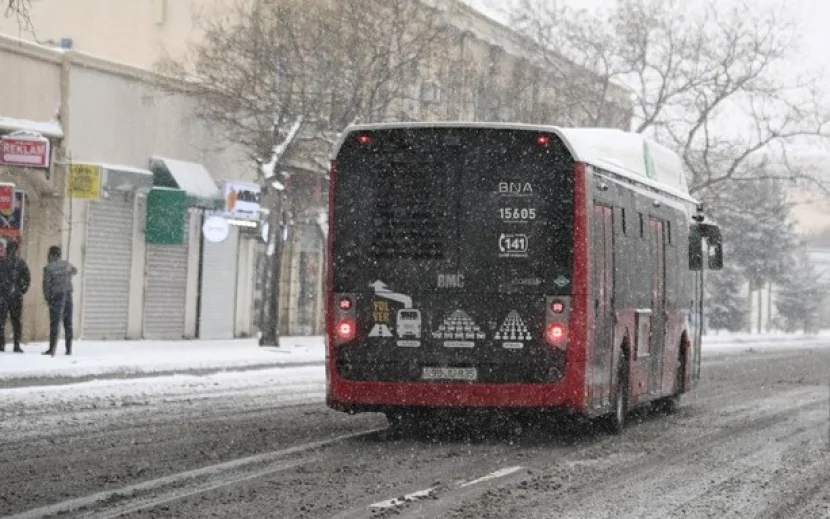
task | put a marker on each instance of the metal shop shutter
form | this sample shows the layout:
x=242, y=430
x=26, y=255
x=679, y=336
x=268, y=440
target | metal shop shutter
x=165, y=292
x=217, y=314
x=107, y=265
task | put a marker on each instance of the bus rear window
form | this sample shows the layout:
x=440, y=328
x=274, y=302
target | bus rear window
x=491, y=207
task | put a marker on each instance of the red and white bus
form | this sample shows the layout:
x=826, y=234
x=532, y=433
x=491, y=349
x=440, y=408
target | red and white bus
x=511, y=267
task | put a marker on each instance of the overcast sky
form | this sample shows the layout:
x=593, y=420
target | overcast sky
x=814, y=14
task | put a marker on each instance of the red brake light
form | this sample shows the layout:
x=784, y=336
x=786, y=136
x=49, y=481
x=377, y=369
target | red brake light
x=345, y=330
x=345, y=303
x=557, y=307
x=542, y=140
x=557, y=334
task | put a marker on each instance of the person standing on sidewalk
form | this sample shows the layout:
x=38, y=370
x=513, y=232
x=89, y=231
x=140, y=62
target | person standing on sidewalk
x=57, y=290
x=15, y=279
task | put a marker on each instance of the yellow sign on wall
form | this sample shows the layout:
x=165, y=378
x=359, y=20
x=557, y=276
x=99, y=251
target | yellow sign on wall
x=84, y=181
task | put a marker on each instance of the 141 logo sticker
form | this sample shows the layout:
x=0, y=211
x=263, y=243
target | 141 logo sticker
x=513, y=245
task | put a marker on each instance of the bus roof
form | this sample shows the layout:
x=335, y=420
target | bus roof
x=627, y=154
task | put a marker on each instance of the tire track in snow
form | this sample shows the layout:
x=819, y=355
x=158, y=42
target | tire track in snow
x=549, y=490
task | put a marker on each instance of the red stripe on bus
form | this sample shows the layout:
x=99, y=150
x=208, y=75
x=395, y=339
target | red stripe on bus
x=329, y=298
x=579, y=316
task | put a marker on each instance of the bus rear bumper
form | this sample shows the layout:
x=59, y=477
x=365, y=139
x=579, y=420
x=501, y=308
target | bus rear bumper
x=357, y=397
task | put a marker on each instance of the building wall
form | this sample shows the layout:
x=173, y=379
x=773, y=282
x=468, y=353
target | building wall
x=120, y=117
x=31, y=90
x=111, y=114
x=136, y=32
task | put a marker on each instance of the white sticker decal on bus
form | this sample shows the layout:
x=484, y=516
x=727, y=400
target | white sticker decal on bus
x=459, y=326
x=513, y=245
x=513, y=329
x=513, y=345
x=516, y=215
x=409, y=323
x=381, y=290
x=380, y=330
x=450, y=280
x=515, y=188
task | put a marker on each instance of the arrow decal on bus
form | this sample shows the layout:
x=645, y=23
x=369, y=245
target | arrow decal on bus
x=381, y=290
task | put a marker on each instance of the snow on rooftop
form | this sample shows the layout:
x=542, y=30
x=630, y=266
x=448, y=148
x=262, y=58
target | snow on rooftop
x=51, y=129
x=630, y=151
x=127, y=169
x=191, y=177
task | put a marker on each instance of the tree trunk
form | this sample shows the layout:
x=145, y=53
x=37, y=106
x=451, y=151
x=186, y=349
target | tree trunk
x=271, y=326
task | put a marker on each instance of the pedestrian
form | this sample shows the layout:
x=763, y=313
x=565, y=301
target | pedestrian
x=57, y=289
x=15, y=279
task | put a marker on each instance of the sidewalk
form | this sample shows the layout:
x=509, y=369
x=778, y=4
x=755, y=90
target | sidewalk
x=95, y=360
x=127, y=359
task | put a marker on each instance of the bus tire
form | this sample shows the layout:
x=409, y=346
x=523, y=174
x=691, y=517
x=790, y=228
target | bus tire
x=617, y=418
x=670, y=404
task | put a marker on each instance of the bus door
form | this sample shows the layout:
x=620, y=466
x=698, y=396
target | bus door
x=658, y=304
x=602, y=263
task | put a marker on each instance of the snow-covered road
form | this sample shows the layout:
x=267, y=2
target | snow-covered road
x=751, y=441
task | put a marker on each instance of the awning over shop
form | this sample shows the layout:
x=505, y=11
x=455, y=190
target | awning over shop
x=49, y=129
x=191, y=177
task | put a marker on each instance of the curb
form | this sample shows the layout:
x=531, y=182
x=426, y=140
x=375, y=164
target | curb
x=40, y=381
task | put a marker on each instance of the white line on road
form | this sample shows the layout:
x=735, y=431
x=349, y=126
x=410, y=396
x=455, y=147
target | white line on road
x=138, y=505
x=497, y=474
x=183, y=477
x=423, y=494
x=408, y=498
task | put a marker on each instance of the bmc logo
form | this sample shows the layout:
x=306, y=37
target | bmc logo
x=450, y=280
x=515, y=188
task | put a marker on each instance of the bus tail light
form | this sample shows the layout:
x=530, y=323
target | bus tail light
x=345, y=330
x=557, y=334
x=557, y=317
x=344, y=323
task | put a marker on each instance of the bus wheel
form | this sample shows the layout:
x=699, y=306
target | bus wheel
x=670, y=404
x=617, y=418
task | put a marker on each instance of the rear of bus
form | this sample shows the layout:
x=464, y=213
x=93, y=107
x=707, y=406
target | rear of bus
x=451, y=270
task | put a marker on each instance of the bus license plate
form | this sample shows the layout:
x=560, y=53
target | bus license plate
x=468, y=374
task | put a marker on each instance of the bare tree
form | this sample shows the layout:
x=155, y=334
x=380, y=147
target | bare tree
x=718, y=83
x=272, y=61
x=278, y=76
x=19, y=9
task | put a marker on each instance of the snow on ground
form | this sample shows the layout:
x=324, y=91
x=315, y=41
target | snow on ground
x=118, y=359
x=307, y=380
x=722, y=342
x=124, y=358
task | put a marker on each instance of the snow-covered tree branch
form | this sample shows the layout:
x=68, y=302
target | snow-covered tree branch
x=717, y=83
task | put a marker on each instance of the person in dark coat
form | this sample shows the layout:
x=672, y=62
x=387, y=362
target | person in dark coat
x=15, y=279
x=57, y=290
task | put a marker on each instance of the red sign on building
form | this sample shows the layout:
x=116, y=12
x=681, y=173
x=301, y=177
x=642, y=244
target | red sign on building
x=25, y=151
x=6, y=199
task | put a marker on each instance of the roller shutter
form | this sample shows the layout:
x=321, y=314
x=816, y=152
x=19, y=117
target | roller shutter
x=107, y=267
x=217, y=315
